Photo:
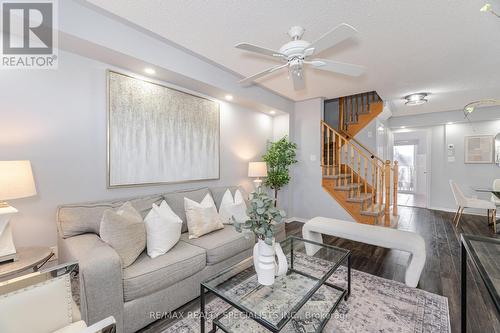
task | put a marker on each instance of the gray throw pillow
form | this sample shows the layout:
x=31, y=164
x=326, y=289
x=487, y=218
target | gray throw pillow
x=124, y=231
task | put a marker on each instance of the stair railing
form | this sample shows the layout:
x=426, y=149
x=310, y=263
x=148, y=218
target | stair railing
x=350, y=107
x=346, y=158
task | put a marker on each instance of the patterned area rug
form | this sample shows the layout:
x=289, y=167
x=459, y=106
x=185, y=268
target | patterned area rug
x=375, y=305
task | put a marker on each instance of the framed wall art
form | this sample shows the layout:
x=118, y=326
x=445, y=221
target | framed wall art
x=479, y=149
x=159, y=135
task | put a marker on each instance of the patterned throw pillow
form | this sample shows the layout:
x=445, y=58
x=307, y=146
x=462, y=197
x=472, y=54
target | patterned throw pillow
x=124, y=231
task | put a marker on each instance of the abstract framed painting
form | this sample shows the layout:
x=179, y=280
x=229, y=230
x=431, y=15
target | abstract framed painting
x=159, y=135
x=479, y=149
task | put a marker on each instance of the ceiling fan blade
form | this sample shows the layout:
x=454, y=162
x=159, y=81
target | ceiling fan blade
x=333, y=37
x=298, y=81
x=259, y=50
x=337, y=67
x=250, y=79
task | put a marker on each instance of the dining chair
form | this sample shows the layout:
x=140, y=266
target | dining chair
x=496, y=188
x=463, y=202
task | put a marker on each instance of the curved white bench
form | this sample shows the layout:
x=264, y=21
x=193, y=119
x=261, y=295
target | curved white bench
x=369, y=234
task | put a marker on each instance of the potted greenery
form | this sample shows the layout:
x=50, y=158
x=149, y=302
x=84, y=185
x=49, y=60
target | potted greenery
x=279, y=157
x=263, y=217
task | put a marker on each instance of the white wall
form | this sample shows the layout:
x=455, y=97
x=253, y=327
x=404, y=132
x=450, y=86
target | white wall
x=281, y=126
x=467, y=176
x=309, y=199
x=57, y=119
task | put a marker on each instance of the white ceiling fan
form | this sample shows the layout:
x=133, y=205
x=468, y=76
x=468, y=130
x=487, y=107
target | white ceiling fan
x=298, y=52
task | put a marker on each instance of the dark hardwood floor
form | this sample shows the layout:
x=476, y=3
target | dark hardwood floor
x=441, y=274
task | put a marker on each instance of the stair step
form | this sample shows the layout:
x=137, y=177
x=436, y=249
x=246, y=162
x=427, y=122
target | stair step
x=376, y=211
x=362, y=198
x=339, y=176
x=348, y=187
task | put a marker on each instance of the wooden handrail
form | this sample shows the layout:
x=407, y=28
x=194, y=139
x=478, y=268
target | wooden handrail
x=350, y=162
x=348, y=137
x=342, y=133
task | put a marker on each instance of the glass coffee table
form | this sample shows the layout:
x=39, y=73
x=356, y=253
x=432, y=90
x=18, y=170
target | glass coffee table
x=302, y=295
x=484, y=253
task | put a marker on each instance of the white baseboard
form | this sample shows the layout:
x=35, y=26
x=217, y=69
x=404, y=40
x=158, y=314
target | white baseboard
x=451, y=210
x=296, y=219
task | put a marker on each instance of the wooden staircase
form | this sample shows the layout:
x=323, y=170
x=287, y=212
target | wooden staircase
x=357, y=111
x=361, y=182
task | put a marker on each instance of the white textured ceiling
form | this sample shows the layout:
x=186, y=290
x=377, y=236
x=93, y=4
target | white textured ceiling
x=444, y=47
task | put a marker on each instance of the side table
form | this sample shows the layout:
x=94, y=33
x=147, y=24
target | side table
x=28, y=257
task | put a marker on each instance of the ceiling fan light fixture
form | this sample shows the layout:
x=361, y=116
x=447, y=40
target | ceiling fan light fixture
x=469, y=109
x=485, y=8
x=416, y=99
x=297, y=53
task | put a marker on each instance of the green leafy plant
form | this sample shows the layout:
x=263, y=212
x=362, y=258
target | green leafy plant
x=263, y=217
x=279, y=157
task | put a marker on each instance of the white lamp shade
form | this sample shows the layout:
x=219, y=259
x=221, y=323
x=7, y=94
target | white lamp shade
x=16, y=180
x=257, y=169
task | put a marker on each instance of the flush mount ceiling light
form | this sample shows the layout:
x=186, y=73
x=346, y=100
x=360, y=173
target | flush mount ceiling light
x=149, y=71
x=228, y=97
x=272, y=112
x=416, y=99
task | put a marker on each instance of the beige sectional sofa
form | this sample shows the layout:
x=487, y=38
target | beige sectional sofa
x=135, y=295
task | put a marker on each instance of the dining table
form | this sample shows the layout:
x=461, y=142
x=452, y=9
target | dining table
x=488, y=190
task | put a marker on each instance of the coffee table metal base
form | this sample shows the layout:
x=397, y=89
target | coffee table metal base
x=217, y=324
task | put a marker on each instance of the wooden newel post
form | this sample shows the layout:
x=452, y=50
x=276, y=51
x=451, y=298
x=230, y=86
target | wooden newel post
x=387, y=181
x=395, y=199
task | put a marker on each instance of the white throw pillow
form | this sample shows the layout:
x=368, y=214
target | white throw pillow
x=163, y=229
x=202, y=217
x=230, y=207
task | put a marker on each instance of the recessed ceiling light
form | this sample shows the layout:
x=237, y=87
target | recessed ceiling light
x=272, y=112
x=403, y=126
x=416, y=99
x=449, y=123
x=229, y=97
x=149, y=70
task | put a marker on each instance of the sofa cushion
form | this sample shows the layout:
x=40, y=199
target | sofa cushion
x=147, y=275
x=222, y=244
x=77, y=219
x=176, y=201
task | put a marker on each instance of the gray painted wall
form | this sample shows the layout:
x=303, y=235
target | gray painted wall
x=57, y=119
x=466, y=175
x=309, y=199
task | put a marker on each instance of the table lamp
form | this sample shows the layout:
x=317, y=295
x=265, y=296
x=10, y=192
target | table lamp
x=16, y=181
x=257, y=170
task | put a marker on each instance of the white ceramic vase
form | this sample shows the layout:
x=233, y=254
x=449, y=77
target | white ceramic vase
x=266, y=266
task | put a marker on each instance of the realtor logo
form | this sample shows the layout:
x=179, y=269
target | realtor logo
x=29, y=37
